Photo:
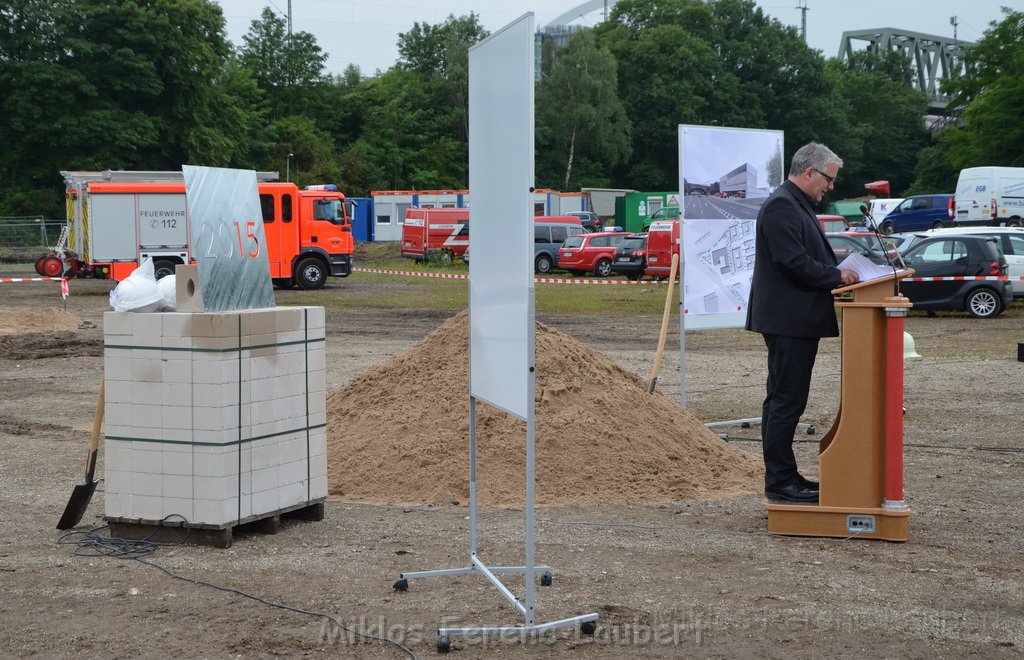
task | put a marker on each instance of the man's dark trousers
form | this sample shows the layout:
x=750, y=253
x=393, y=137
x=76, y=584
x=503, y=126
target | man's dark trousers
x=790, y=363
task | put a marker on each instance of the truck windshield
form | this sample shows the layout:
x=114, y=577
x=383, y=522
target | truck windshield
x=331, y=210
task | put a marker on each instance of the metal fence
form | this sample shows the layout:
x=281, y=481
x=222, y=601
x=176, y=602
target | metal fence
x=29, y=231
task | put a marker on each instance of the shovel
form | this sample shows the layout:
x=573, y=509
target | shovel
x=653, y=382
x=82, y=493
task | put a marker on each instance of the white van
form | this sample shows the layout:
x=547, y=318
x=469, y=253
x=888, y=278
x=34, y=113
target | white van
x=990, y=196
x=879, y=208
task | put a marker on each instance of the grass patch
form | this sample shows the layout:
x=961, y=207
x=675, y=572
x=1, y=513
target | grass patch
x=392, y=291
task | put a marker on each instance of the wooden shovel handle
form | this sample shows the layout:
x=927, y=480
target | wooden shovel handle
x=97, y=424
x=664, y=325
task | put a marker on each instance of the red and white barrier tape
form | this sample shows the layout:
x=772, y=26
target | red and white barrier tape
x=30, y=279
x=568, y=280
x=541, y=280
x=963, y=278
x=443, y=276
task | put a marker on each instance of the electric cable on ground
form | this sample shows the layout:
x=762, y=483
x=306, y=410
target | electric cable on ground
x=89, y=543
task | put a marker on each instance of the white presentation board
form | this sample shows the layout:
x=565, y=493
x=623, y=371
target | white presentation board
x=501, y=126
x=725, y=174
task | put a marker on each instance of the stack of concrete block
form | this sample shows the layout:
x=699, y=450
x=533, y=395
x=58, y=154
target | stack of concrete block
x=217, y=417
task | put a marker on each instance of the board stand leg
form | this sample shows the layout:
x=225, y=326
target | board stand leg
x=747, y=422
x=529, y=570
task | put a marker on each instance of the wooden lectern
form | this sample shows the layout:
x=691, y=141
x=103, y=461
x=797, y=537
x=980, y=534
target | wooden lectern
x=861, y=457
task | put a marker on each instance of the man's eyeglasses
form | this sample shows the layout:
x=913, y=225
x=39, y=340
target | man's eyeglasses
x=830, y=179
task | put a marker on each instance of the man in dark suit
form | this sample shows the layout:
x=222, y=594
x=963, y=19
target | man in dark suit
x=791, y=305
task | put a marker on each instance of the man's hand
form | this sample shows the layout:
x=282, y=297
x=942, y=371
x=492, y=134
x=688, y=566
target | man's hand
x=849, y=277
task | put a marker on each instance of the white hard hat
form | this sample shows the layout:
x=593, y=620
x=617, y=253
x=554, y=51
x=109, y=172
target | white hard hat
x=909, y=348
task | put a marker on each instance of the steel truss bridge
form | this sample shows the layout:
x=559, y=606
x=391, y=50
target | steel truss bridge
x=933, y=58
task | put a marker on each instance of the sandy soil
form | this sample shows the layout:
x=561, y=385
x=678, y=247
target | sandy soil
x=679, y=578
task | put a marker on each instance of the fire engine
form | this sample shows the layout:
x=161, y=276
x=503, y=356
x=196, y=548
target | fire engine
x=117, y=219
x=444, y=232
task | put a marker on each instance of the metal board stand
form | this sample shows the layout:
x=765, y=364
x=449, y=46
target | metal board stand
x=502, y=324
x=526, y=606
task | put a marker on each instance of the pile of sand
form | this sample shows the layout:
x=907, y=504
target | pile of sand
x=20, y=320
x=398, y=434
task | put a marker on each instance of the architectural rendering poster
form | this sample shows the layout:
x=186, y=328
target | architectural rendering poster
x=725, y=174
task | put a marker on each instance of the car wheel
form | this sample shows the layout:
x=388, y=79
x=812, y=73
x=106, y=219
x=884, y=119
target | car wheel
x=939, y=224
x=542, y=264
x=1013, y=222
x=310, y=274
x=984, y=303
x=886, y=228
x=603, y=268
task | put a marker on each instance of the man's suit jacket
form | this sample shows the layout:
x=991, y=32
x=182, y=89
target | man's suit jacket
x=794, y=270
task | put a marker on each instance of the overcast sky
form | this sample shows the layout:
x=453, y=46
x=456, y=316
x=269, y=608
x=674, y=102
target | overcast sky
x=365, y=32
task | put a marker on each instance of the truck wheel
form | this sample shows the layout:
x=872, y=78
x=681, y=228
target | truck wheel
x=984, y=303
x=310, y=274
x=939, y=224
x=1013, y=222
x=886, y=228
x=603, y=268
x=163, y=268
x=542, y=264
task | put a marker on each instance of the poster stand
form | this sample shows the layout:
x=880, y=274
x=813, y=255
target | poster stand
x=587, y=622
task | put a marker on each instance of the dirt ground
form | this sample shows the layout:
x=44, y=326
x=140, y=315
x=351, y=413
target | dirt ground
x=672, y=579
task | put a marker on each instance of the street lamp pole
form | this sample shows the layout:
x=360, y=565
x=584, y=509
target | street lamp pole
x=288, y=168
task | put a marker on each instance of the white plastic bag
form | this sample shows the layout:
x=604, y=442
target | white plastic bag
x=168, y=287
x=137, y=292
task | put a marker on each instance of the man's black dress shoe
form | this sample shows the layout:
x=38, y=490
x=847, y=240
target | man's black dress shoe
x=806, y=483
x=793, y=493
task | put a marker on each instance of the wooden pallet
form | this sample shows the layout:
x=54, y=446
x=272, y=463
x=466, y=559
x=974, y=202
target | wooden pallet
x=175, y=531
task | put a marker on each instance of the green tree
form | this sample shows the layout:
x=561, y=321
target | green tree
x=582, y=128
x=990, y=96
x=137, y=84
x=284, y=65
x=884, y=114
x=413, y=120
x=720, y=62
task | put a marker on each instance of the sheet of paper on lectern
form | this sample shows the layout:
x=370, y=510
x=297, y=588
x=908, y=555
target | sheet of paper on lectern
x=866, y=269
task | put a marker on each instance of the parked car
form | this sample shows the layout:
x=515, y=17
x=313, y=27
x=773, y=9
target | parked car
x=631, y=256
x=589, y=220
x=662, y=243
x=590, y=253
x=832, y=222
x=955, y=256
x=549, y=232
x=867, y=244
x=1010, y=240
x=664, y=213
x=919, y=212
